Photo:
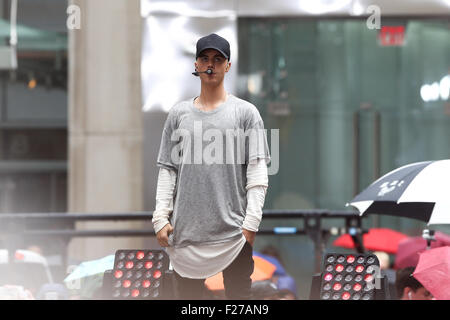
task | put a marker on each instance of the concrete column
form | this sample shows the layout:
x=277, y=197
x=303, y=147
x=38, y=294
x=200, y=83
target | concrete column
x=105, y=123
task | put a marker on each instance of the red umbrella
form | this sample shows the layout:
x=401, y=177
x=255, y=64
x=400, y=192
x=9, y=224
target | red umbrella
x=433, y=272
x=410, y=248
x=377, y=239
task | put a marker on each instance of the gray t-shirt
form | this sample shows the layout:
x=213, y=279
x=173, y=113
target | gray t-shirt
x=210, y=151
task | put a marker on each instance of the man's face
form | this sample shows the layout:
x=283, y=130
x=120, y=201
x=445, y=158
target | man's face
x=214, y=60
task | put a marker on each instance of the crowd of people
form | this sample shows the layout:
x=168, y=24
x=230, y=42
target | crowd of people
x=280, y=286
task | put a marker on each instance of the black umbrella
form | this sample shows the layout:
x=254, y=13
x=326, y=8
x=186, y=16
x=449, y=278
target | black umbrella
x=418, y=190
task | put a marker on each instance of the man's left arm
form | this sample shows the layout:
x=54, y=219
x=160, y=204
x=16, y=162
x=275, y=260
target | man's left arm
x=257, y=184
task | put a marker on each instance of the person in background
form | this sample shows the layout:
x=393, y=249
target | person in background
x=286, y=284
x=408, y=288
x=383, y=257
x=287, y=288
x=268, y=290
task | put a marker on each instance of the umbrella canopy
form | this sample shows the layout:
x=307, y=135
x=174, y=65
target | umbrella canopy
x=410, y=248
x=433, y=272
x=377, y=239
x=263, y=270
x=90, y=268
x=88, y=276
x=418, y=191
x=279, y=271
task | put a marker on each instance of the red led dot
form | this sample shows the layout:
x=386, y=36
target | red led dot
x=135, y=293
x=146, y=283
x=148, y=265
x=118, y=274
x=339, y=268
x=157, y=274
x=140, y=255
x=357, y=287
x=129, y=264
x=328, y=277
x=126, y=284
x=346, y=296
x=337, y=286
x=359, y=268
x=350, y=259
x=368, y=278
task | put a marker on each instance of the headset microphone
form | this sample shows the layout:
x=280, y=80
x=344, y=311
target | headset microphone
x=197, y=73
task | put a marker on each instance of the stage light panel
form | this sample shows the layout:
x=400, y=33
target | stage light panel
x=348, y=277
x=138, y=274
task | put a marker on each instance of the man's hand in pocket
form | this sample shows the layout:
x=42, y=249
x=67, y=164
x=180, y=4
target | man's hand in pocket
x=249, y=236
x=163, y=235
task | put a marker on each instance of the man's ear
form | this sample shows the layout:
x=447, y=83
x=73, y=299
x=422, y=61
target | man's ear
x=228, y=66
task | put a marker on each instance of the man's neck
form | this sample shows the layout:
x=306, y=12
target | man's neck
x=211, y=97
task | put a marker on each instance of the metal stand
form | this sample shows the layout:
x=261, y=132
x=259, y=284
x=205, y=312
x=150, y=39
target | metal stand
x=429, y=236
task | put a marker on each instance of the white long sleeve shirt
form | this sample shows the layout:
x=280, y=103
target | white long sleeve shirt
x=203, y=261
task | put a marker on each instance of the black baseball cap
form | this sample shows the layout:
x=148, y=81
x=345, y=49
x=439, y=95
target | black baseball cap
x=213, y=41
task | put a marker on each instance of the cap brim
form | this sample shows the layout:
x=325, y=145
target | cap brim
x=217, y=49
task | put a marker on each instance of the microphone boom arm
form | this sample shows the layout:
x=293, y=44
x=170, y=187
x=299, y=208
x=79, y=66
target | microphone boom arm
x=197, y=73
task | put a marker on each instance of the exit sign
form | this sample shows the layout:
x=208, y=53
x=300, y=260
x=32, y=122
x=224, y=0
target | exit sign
x=392, y=36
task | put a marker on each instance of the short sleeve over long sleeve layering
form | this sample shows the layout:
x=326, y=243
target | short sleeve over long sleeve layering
x=210, y=152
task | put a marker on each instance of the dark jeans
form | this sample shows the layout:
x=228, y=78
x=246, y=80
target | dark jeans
x=236, y=279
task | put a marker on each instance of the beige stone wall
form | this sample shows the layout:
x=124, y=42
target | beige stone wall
x=105, y=122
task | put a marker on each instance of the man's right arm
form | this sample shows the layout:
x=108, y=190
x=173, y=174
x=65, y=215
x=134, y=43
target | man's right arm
x=164, y=205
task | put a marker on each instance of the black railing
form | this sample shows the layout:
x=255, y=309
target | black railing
x=15, y=226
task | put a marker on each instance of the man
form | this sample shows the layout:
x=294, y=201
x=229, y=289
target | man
x=408, y=288
x=208, y=212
